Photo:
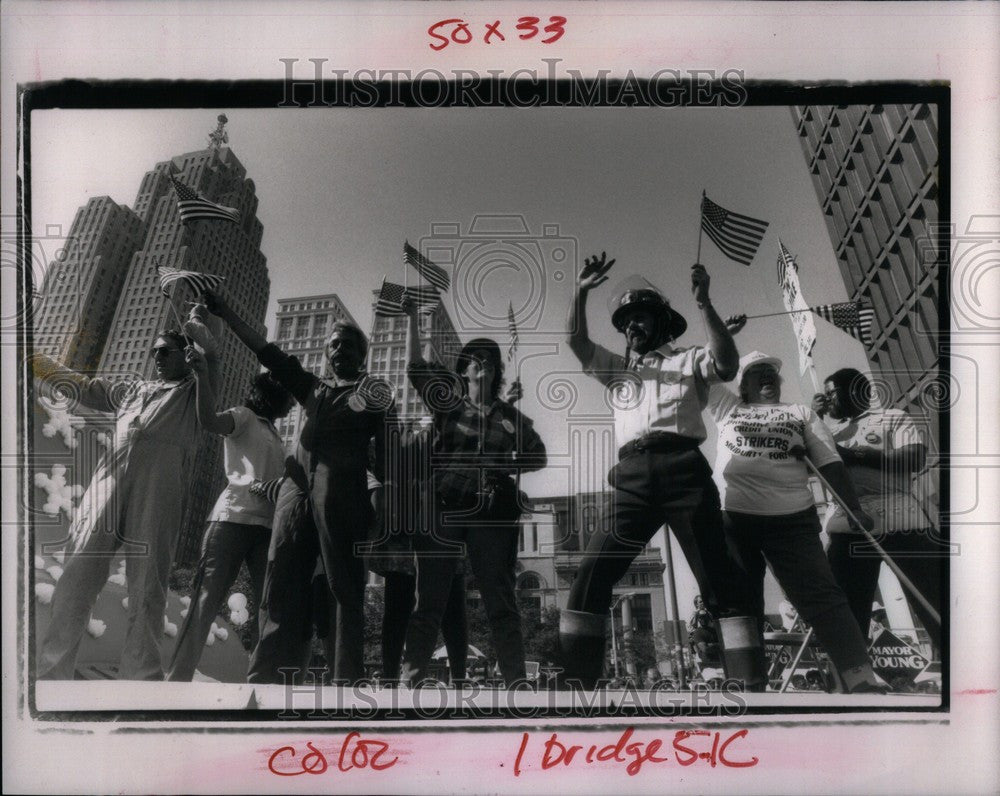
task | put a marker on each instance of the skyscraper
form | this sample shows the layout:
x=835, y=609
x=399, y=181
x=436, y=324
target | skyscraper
x=875, y=170
x=105, y=310
x=302, y=326
x=81, y=288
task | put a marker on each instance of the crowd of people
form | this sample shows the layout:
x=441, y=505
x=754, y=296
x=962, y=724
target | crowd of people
x=363, y=490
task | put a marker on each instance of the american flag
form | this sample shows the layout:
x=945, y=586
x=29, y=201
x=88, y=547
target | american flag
x=433, y=273
x=199, y=282
x=267, y=489
x=390, y=298
x=512, y=328
x=737, y=236
x=194, y=207
x=851, y=317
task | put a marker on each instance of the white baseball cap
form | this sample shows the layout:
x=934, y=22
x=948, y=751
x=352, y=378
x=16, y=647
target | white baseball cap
x=756, y=358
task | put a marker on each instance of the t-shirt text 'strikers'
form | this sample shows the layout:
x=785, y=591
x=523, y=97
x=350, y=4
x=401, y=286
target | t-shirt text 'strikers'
x=754, y=470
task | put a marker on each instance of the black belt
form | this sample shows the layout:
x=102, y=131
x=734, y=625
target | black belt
x=657, y=442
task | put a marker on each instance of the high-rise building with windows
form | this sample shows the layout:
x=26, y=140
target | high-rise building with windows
x=387, y=354
x=80, y=292
x=875, y=170
x=302, y=326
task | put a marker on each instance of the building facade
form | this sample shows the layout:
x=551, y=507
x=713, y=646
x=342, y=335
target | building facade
x=81, y=289
x=387, y=354
x=302, y=326
x=875, y=171
x=554, y=535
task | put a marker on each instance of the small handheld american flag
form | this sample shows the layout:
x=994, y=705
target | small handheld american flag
x=389, y=302
x=737, y=236
x=195, y=207
x=432, y=272
x=851, y=317
x=199, y=282
x=512, y=328
x=267, y=489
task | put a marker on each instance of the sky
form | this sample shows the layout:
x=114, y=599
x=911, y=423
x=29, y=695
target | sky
x=340, y=190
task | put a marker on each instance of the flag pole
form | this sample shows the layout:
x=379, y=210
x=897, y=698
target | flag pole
x=701, y=215
x=672, y=591
x=177, y=315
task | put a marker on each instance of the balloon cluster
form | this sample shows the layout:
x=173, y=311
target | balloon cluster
x=59, y=423
x=59, y=494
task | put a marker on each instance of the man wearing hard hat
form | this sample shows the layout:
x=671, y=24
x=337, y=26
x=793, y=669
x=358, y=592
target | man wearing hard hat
x=659, y=392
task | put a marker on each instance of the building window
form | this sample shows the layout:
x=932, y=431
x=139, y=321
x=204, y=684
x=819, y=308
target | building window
x=285, y=329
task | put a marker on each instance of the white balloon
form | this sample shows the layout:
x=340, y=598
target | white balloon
x=96, y=628
x=43, y=591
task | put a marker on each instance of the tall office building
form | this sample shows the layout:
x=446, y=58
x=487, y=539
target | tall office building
x=80, y=292
x=875, y=170
x=302, y=326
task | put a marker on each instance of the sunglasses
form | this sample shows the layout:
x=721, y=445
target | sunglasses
x=162, y=350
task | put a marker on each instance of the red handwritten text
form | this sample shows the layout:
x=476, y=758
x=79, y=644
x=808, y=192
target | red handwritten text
x=456, y=31
x=353, y=752
x=635, y=753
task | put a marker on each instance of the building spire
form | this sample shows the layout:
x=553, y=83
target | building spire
x=219, y=136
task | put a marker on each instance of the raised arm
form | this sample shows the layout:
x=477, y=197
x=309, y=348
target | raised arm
x=210, y=420
x=249, y=336
x=593, y=273
x=94, y=393
x=285, y=368
x=720, y=341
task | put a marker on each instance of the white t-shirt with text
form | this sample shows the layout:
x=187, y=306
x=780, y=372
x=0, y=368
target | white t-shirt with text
x=753, y=469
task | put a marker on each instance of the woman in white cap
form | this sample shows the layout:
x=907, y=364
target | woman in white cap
x=769, y=508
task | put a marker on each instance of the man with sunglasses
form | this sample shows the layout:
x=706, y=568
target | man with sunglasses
x=132, y=508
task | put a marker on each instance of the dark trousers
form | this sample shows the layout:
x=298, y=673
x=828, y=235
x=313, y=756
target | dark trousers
x=919, y=556
x=492, y=551
x=650, y=489
x=790, y=544
x=223, y=550
x=329, y=521
x=400, y=600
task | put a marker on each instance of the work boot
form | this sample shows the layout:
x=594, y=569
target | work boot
x=581, y=647
x=743, y=655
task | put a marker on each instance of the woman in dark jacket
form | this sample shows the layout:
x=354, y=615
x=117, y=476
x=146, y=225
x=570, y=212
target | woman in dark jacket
x=480, y=442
